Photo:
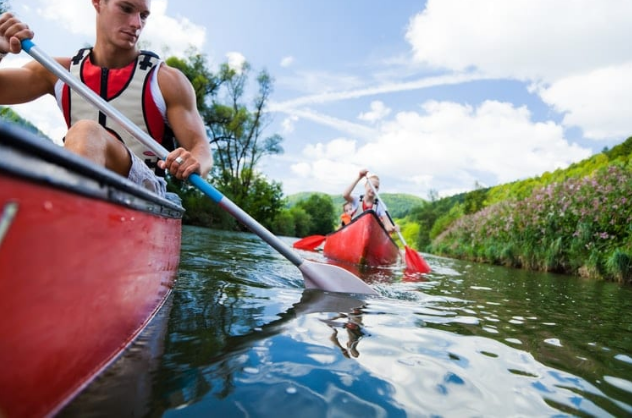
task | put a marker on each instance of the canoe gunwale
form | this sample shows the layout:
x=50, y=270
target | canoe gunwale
x=31, y=157
x=369, y=212
x=385, y=253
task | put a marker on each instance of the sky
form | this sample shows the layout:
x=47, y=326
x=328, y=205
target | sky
x=437, y=96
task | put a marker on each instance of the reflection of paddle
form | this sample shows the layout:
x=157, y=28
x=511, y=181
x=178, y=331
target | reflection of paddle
x=312, y=301
x=315, y=275
x=309, y=243
x=414, y=262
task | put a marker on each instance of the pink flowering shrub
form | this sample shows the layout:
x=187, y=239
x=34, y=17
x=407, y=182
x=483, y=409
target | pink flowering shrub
x=578, y=226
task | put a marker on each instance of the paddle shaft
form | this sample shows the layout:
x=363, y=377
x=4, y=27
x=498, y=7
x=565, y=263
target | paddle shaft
x=54, y=67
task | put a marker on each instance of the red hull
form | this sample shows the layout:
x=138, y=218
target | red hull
x=364, y=242
x=80, y=277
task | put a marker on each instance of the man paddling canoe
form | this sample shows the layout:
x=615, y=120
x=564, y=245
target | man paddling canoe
x=158, y=98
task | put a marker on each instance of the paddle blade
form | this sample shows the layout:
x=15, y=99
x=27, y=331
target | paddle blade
x=332, y=279
x=309, y=243
x=415, y=262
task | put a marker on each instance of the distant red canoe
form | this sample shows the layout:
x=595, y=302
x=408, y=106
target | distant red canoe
x=86, y=260
x=364, y=242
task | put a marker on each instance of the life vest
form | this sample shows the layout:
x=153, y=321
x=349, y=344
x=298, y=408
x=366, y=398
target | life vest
x=365, y=208
x=345, y=219
x=129, y=90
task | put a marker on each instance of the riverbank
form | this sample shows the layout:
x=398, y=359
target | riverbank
x=581, y=226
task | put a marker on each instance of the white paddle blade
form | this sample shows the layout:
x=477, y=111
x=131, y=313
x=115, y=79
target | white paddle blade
x=315, y=300
x=332, y=279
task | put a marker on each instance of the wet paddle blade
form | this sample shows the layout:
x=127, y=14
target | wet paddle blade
x=415, y=262
x=332, y=279
x=309, y=243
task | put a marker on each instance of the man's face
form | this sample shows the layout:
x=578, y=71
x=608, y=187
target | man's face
x=122, y=21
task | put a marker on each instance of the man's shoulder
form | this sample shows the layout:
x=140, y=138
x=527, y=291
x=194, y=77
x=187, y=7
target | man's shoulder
x=171, y=77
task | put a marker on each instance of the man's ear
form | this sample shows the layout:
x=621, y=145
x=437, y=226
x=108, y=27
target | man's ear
x=97, y=5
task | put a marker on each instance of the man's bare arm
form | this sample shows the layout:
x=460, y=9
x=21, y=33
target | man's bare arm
x=30, y=82
x=187, y=125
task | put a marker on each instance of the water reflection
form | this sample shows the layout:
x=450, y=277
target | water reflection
x=245, y=339
x=352, y=324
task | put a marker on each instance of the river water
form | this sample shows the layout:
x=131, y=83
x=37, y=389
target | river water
x=241, y=337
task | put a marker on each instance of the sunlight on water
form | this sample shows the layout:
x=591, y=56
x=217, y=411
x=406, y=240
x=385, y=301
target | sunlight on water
x=245, y=339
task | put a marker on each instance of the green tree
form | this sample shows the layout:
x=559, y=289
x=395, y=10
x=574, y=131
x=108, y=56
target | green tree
x=475, y=200
x=320, y=208
x=302, y=221
x=264, y=200
x=205, y=84
x=283, y=224
x=237, y=131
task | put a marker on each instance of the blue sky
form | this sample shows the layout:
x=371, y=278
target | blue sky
x=436, y=95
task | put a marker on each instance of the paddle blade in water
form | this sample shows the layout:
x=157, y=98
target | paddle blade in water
x=332, y=279
x=415, y=262
x=309, y=243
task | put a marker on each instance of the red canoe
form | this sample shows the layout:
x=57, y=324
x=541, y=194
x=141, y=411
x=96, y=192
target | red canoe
x=364, y=241
x=86, y=260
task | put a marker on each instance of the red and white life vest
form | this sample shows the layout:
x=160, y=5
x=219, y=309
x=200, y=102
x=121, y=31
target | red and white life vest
x=129, y=90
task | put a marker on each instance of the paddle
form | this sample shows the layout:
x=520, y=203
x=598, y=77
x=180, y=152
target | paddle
x=309, y=243
x=414, y=262
x=316, y=275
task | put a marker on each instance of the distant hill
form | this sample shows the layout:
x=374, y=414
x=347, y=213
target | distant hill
x=399, y=204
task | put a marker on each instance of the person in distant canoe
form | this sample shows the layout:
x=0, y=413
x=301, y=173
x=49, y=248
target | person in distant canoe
x=368, y=200
x=347, y=214
x=156, y=97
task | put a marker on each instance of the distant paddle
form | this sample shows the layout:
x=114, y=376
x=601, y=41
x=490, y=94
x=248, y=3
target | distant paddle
x=316, y=275
x=414, y=262
x=309, y=243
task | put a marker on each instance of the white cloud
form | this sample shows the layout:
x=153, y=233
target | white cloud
x=323, y=175
x=169, y=35
x=524, y=39
x=446, y=146
x=287, y=61
x=77, y=17
x=599, y=101
x=302, y=169
x=378, y=111
x=287, y=125
x=333, y=94
x=42, y=112
x=578, y=50
x=338, y=149
x=316, y=82
x=341, y=125
x=495, y=140
x=236, y=61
